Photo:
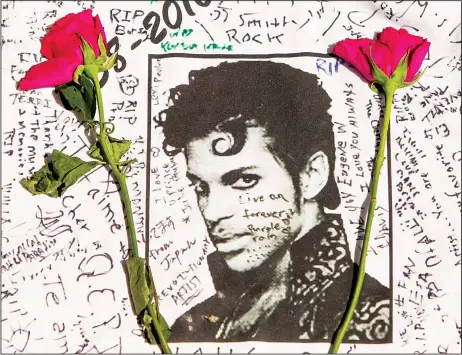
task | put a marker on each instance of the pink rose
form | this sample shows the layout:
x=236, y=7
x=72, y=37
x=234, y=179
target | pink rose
x=387, y=50
x=61, y=46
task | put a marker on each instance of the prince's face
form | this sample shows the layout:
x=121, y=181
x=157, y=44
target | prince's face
x=248, y=199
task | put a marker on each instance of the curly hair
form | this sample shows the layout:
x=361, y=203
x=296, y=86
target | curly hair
x=288, y=103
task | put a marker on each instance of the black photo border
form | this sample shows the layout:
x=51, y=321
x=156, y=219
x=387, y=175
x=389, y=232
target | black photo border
x=152, y=57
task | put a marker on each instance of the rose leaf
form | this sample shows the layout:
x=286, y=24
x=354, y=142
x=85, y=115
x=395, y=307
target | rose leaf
x=58, y=175
x=119, y=148
x=79, y=97
x=139, y=289
x=150, y=334
x=89, y=93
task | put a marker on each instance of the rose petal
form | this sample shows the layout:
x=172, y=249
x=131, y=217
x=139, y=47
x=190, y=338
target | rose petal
x=47, y=41
x=63, y=22
x=66, y=43
x=83, y=16
x=400, y=41
x=45, y=49
x=82, y=23
x=50, y=73
x=61, y=44
x=68, y=46
x=355, y=52
x=88, y=33
x=415, y=60
x=390, y=34
x=91, y=36
x=100, y=29
x=86, y=16
x=381, y=54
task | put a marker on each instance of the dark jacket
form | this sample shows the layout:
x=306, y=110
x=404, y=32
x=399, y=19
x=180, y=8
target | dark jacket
x=321, y=278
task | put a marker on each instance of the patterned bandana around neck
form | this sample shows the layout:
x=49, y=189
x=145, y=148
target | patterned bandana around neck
x=317, y=261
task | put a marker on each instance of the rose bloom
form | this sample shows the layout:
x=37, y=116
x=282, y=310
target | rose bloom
x=61, y=46
x=387, y=50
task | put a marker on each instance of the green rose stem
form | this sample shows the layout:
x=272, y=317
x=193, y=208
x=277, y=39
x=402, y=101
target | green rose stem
x=162, y=340
x=389, y=89
x=92, y=70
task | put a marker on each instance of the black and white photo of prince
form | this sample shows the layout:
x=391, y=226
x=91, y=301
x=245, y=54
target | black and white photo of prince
x=260, y=153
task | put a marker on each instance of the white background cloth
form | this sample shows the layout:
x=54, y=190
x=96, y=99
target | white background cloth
x=63, y=285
